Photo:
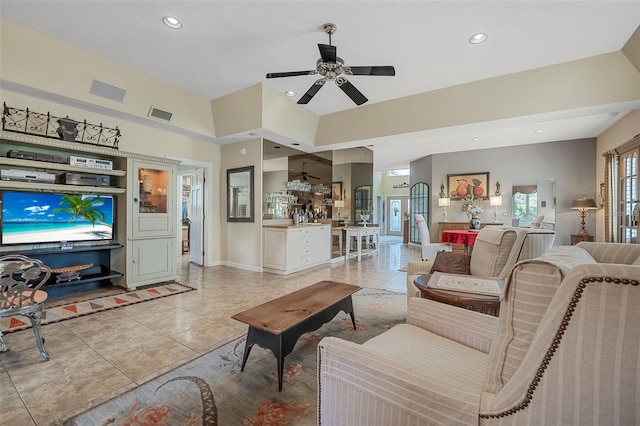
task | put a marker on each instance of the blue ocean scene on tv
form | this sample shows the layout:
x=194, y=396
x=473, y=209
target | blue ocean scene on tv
x=29, y=217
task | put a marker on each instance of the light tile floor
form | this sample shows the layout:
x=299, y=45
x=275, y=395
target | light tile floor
x=97, y=357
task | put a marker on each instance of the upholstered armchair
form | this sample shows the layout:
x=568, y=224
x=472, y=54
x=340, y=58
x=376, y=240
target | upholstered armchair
x=20, y=281
x=429, y=249
x=564, y=350
x=495, y=252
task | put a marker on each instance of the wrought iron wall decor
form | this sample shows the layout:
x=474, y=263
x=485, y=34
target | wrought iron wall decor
x=50, y=126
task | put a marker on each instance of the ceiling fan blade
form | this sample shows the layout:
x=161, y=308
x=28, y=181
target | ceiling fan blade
x=290, y=73
x=314, y=177
x=328, y=53
x=312, y=91
x=351, y=91
x=376, y=70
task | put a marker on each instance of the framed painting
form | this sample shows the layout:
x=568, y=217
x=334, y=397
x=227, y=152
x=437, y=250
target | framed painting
x=461, y=185
x=336, y=191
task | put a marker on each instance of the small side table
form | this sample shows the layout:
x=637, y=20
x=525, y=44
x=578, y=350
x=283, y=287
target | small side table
x=489, y=305
x=575, y=239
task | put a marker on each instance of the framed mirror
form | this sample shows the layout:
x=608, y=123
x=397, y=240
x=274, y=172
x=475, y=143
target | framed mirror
x=240, y=206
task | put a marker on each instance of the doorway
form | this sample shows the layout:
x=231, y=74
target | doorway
x=191, y=219
x=396, y=207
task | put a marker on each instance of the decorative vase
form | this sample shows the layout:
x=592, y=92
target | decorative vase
x=474, y=223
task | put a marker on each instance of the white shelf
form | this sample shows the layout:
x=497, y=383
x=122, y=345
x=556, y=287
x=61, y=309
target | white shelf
x=7, y=184
x=57, y=166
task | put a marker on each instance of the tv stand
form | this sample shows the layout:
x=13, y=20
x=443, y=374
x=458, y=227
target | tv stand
x=98, y=275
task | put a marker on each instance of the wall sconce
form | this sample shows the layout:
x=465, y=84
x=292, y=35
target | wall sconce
x=444, y=203
x=442, y=193
x=583, y=205
x=496, y=201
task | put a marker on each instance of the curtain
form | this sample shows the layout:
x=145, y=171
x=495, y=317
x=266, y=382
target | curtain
x=610, y=196
x=525, y=189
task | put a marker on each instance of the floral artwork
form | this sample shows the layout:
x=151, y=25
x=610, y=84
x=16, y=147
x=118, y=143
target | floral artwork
x=470, y=185
x=472, y=206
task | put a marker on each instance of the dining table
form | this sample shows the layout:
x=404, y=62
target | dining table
x=467, y=237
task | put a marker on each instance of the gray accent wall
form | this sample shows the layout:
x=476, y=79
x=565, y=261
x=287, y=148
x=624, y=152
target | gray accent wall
x=571, y=163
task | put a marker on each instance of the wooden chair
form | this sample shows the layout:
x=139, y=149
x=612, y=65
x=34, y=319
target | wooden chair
x=20, y=281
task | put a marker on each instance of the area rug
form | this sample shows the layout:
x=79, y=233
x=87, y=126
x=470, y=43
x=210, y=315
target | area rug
x=85, y=307
x=211, y=390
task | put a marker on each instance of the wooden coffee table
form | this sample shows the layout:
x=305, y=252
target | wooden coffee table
x=476, y=302
x=277, y=324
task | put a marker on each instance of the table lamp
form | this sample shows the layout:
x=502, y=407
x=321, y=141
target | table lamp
x=495, y=201
x=338, y=204
x=583, y=205
x=444, y=203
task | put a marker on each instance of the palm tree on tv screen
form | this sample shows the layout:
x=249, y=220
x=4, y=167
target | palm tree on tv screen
x=82, y=206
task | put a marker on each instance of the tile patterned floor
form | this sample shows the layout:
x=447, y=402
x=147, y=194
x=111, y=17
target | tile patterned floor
x=97, y=357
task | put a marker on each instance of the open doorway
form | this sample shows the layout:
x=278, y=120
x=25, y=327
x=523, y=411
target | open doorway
x=191, y=218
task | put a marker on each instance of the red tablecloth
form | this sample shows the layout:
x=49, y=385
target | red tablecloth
x=465, y=237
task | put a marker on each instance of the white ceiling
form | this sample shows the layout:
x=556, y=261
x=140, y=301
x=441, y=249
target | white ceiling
x=225, y=46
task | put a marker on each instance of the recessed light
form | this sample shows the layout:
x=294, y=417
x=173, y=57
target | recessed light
x=295, y=144
x=253, y=134
x=290, y=93
x=613, y=114
x=540, y=131
x=172, y=22
x=478, y=38
x=276, y=147
x=475, y=139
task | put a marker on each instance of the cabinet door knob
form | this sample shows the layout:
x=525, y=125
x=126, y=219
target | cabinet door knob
x=135, y=200
x=135, y=261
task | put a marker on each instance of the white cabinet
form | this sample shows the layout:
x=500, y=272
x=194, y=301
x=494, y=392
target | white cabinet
x=151, y=222
x=151, y=261
x=289, y=249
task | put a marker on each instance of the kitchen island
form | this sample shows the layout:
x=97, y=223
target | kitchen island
x=292, y=248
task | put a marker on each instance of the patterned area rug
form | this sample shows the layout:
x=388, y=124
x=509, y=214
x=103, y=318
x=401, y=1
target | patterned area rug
x=76, y=309
x=211, y=390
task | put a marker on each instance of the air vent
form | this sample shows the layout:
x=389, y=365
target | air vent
x=160, y=114
x=105, y=90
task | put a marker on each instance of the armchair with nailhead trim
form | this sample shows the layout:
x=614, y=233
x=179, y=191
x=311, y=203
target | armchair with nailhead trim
x=564, y=350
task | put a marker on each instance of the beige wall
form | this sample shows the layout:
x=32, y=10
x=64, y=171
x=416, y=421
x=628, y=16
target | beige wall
x=624, y=130
x=62, y=69
x=241, y=242
x=569, y=162
x=585, y=83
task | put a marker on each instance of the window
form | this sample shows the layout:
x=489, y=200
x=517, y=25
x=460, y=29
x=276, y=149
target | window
x=525, y=203
x=399, y=172
x=418, y=204
x=628, y=193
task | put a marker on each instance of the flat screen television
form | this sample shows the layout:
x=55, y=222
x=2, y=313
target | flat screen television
x=42, y=217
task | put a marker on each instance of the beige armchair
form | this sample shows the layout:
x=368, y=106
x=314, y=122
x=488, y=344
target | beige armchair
x=564, y=350
x=496, y=251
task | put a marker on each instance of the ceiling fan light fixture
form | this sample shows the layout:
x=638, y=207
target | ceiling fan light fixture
x=478, y=38
x=172, y=22
x=290, y=93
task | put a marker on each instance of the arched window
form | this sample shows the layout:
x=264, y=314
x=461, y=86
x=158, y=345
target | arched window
x=418, y=204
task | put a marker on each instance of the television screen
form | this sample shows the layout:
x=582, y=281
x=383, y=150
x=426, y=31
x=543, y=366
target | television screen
x=39, y=217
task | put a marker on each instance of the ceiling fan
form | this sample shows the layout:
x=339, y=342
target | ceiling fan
x=332, y=67
x=306, y=175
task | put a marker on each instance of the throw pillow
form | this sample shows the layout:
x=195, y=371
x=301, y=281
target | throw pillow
x=452, y=263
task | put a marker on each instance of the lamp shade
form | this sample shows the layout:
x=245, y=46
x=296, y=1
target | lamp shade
x=444, y=202
x=584, y=203
x=338, y=203
x=495, y=200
